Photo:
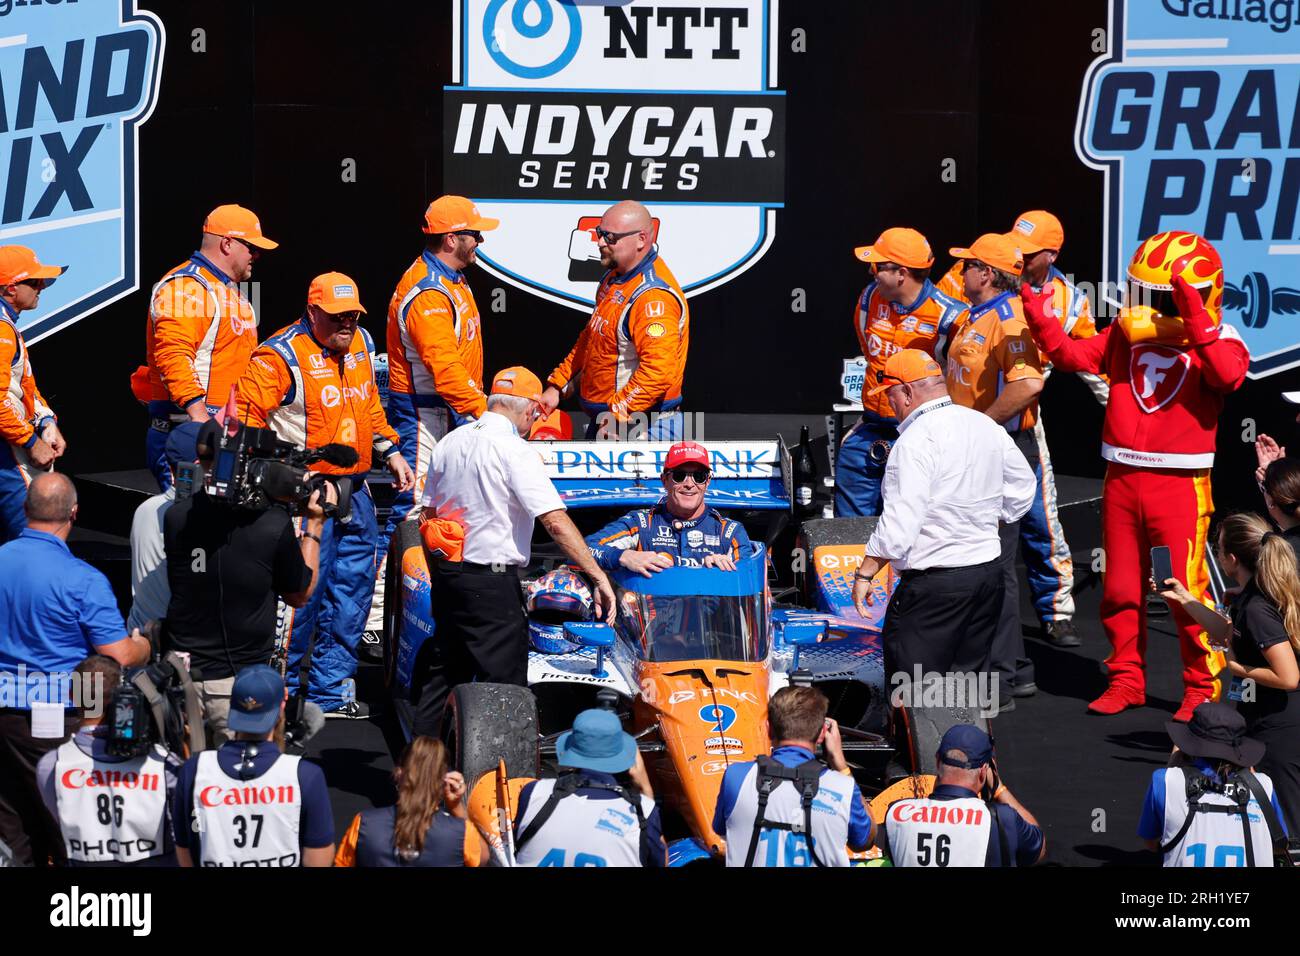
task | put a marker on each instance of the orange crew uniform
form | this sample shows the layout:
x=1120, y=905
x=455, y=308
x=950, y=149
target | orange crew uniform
x=990, y=351
x=24, y=413
x=632, y=354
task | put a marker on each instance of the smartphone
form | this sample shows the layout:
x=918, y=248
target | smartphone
x=1162, y=566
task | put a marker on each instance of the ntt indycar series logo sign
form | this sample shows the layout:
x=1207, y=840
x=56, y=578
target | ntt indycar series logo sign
x=78, y=77
x=562, y=107
x=1193, y=117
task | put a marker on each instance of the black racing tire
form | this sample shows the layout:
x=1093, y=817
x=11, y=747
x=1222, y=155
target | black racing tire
x=483, y=723
x=405, y=536
x=1256, y=286
x=924, y=727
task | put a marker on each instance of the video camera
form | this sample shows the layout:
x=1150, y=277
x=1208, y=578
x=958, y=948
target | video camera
x=155, y=704
x=252, y=468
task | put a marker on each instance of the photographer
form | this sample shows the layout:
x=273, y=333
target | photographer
x=970, y=818
x=112, y=811
x=766, y=823
x=1207, y=808
x=54, y=610
x=247, y=804
x=225, y=567
x=1259, y=642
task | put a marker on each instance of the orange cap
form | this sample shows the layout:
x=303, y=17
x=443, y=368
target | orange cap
x=334, y=293
x=453, y=213
x=907, y=247
x=1037, y=230
x=18, y=264
x=904, y=366
x=517, y=380
x=237, y=223
x=996, y=249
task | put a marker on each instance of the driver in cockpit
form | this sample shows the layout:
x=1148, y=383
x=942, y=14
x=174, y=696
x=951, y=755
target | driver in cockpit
x=679, y=530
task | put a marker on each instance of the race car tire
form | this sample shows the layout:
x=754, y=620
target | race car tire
x=405, y=536
x=924, y=727
x=483, y=723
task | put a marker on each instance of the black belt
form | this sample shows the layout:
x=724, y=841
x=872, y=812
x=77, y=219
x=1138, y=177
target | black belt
x=473, y=567
x=920, y=572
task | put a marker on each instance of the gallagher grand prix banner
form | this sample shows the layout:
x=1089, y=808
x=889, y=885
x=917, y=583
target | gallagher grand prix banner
x=1194, y=117
x=77, y=78
x=560, y=108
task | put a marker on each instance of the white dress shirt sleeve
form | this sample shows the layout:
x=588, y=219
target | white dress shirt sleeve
x=1018, y=483
x=535, y=491
x=906, y=490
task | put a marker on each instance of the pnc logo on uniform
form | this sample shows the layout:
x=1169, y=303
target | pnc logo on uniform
x=330, y=396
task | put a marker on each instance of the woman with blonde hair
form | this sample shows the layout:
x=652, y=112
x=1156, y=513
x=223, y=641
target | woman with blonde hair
x=1259, y=641
x=428, y=826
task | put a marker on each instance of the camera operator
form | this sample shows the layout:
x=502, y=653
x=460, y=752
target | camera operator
x=112, y=811
x=248, y=804
x=225, y=567
x=314, y=383
x=54, y=610
x=971, y=818
x=1206, y=809
x=150, y=592
x=766, y=823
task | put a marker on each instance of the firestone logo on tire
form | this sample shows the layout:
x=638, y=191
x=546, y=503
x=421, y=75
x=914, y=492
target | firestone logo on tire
x=80, y=79
x=1192, y=115
x=559, y=108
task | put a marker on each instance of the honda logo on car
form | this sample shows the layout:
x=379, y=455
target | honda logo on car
x=561, y=107
x=79, y=80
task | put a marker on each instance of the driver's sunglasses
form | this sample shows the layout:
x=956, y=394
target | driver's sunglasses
x=342, y=318
x=880, y=267
x=252, y=249
x=37, y=284
x=679, y=475
x=973, y=264
x=609, y=238
x=472, y=233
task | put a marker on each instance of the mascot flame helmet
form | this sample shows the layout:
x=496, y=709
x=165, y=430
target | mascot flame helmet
x=1150, y=313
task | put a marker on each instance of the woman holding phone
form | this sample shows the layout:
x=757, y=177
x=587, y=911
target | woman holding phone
x=1259, y=641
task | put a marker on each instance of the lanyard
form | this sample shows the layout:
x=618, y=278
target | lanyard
x=943, y=404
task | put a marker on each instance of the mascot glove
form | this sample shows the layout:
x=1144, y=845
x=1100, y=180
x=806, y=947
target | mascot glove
x=1199, y=327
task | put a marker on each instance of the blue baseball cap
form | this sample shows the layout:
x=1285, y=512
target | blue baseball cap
x=971, y=741
x=255, y=700
x=183, y=443
x=596, y=742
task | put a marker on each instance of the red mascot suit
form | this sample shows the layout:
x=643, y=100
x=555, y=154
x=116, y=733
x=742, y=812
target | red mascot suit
x=1170, y=363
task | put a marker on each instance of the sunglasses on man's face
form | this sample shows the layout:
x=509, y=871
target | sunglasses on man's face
x=609, y=238
x=342, y=318
x=681, y=474
x=37, y=284
x=472, y=233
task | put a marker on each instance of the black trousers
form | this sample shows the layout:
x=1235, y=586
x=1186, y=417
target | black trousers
x=1282, y=763
x=943, y=620
x=480, y=633
x=25, y=825
x=1010, y=663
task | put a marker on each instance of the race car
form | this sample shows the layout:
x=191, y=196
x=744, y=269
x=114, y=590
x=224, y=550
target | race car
x=693, y=654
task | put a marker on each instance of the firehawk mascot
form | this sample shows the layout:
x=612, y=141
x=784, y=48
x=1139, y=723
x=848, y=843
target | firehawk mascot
x=1170, y=363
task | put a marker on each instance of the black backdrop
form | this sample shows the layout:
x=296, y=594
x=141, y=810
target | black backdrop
x=883, y=95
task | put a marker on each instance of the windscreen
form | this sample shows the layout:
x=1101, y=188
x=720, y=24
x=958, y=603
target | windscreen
x=696, y=613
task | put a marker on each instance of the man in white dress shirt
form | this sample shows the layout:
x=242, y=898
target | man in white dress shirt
x=485, y=479
x=952, y=475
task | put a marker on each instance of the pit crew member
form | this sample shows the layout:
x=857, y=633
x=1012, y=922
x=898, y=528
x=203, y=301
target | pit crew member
x=314, y=383
x=1170, y=361
x=767, y=823
x=201, y=329
x=900, y=309
x=587, y=817
x=632, y=354
x=1048, y=564
x=680, y=530
x=970, y=818
x=435, y=342
x=248, y=804
x=112, y=811
x=994, y=368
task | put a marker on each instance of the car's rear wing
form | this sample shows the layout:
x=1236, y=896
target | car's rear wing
x=747, y=475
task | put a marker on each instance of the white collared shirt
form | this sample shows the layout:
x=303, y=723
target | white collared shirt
x=952, y=475
x=486, y=477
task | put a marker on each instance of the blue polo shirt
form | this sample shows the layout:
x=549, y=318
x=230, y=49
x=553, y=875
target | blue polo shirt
x=55, y=611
